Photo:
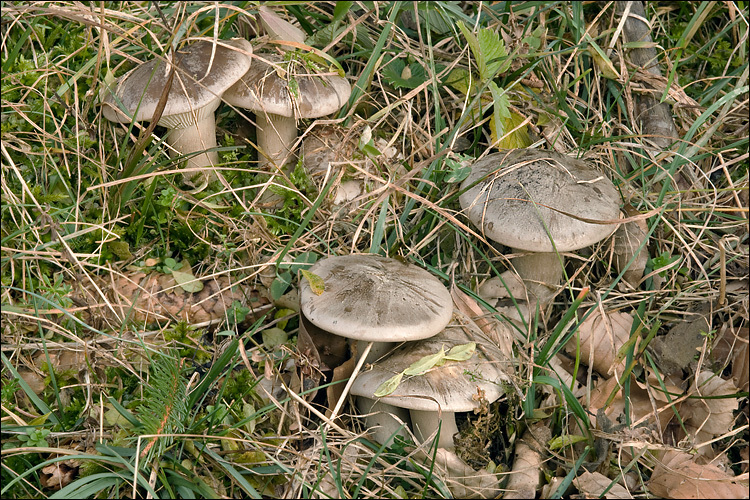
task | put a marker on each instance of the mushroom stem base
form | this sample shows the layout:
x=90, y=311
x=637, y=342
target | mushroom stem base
x=382, y=419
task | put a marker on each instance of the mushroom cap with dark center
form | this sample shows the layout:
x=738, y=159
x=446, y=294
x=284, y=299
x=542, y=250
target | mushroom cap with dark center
x=262, y=90
x=453, y=385
x=373, y=298
x=198, y=84
x=498, y=205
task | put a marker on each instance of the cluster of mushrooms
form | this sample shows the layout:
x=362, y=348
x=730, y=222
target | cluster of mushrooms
x=540, y=204
x=206, y=73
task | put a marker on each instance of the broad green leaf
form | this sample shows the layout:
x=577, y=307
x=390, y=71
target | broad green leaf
x=282, y=313
x=185, y=278
x=316, y=282
x=425, y=363
x=280, y=284
x=460, y=170
x=474, y=46
x=518, y=139
x=565, y=440
x=460, y=79
x=274, y=337
x=388, y=386
x=461, y=352
x=398, y=74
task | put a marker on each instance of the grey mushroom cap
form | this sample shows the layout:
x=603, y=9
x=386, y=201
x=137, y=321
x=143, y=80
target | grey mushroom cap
x=376, y=299
x=262, y=90
x=198, y=84
x=497, y=203
x=452, y=385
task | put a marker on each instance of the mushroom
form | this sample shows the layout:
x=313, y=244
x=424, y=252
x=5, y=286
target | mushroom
x=370, y=298
x=435, y=397
x=444, y=390
x=204, y=70
x=533, y=201
x=278, y=101
x=376, y=301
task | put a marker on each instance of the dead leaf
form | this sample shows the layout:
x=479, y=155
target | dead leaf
x=340, y=374
x=57, y=475
x=525, y=478
x=593, y=484
x=714, y=416
x=677, y=475
x=600, y=339
x=499, y=333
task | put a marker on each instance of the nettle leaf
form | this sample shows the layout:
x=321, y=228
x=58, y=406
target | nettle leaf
x=504, y=120
x=388, y=386
x=316, y=282
x=421, y=366
x=398, y=74
x=461, y=352
x=185, y=278
x=494, y=54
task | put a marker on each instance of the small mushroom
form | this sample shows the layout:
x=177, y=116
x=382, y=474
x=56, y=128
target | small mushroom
x=203, y=72
x=278, y=95
x=522, y=197
x=444, y=390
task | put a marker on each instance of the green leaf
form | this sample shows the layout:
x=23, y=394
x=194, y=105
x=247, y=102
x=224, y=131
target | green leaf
x=398, y=74
x=565, y=440
x=494, y=55
x=425, y=363
x=185, y=278
x=458, y=170
x=274, y=337
x=461, y=352
x=316, y=282
x=280, y=284
x=388, y=386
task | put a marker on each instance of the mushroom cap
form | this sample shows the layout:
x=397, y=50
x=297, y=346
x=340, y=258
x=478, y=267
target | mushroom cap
x=453, y=385
x=373, y=298
x=496, y=204
x=196, y=89
x=262, y=90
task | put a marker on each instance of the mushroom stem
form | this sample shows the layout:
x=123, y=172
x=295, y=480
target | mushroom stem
x=541, y=273
x=276, y=137
x=199, y=136
x=345, y=393
x=426, y=422
x=382, y=419
x=378, y=350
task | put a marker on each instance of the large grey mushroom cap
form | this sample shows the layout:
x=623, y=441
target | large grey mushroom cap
x=497, y=203
x=198, y=84
x=262, y=90
x=376, y=299
x=453, y=385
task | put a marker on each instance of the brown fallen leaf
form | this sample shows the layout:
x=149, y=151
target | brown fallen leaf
x=677, y=475
x=593, y=484
x=58, y=475
x=712, y=415
x=526, y=475
x=500, y=333
x=600, y=338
